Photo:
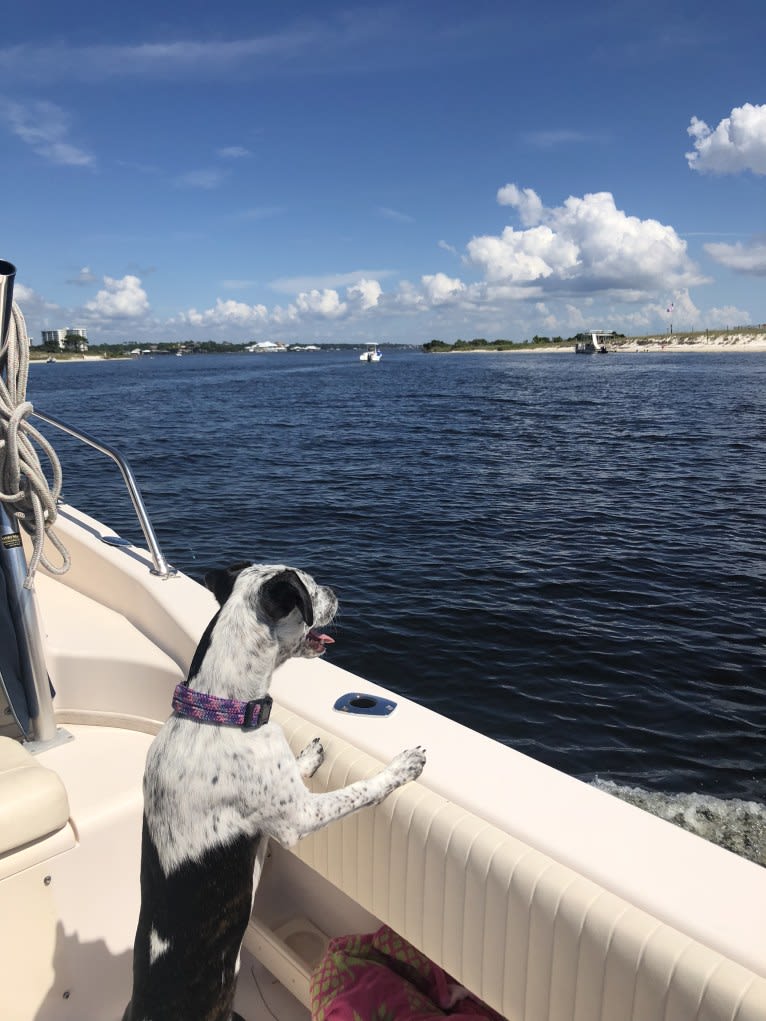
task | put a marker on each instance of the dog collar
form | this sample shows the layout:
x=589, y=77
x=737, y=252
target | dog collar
x=228, y=712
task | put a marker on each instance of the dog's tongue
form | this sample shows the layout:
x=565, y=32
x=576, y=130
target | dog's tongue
x=321, y=639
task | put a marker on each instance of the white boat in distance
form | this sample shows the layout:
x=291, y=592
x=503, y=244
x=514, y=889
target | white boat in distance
x=596, y=344
x=371, y=354
x=543, y=897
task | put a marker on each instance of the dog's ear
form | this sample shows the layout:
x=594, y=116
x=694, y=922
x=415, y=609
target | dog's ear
x=221, y=580
x=283, y=593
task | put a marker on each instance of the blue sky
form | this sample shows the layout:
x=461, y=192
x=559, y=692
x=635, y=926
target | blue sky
x=392, y=171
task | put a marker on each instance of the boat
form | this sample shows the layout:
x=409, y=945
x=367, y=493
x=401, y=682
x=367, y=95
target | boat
x=596, y=345
x=538, y=894
x=371, y=354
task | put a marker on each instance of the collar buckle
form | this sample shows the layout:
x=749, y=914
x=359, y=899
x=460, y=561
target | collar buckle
x=257, y=713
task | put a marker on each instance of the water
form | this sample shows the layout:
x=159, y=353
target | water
x=564, y=553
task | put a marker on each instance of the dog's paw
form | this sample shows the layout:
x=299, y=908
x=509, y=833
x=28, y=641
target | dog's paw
x=408, y=765
x=311, y=758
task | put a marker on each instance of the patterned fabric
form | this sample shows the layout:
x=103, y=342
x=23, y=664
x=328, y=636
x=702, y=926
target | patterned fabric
x=382, y=977
x=229, y=712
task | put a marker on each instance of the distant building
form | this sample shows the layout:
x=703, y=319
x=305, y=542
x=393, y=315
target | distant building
x=73, y=338
x=264, y=347
x=54, y=338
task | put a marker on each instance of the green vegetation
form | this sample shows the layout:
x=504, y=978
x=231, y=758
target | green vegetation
x=480, y=344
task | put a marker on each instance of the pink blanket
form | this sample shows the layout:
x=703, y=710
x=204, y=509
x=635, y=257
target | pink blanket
x=381, y=977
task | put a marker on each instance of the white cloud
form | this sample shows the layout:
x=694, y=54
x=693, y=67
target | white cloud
x=750, y=258
x=394, y=214
x=523, y=256
x=440, y=289
x=586, y=245
x=307, y=306
x=120, y=299
x=44, y=127
x=84, y=278
x=34, y=307
x=727, y=316
x=294, y=285
x=321, y=40
x=737, y=144
x=233, y=152
x=527, y=202
x=365, y=294
x=206, y=180
x=226, y=313
x=325, y=304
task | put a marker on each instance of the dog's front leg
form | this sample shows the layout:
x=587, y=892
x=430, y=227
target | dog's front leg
x=310, y=759
x=310, y=812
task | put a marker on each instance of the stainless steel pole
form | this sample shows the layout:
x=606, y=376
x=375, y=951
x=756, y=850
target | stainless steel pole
x=21, y=600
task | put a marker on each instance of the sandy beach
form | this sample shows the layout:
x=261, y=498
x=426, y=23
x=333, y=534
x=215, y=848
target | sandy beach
x=713, y=343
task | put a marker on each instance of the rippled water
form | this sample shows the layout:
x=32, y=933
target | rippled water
x=564, y=553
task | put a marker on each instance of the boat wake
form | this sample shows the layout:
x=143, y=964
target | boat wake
x=739, y=826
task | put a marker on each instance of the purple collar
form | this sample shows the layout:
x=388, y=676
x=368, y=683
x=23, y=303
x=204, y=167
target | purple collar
x=197, y=705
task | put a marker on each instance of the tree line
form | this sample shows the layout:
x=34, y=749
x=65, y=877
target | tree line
x=481, y=344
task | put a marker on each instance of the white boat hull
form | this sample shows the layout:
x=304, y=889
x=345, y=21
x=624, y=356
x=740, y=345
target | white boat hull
x=543, y=896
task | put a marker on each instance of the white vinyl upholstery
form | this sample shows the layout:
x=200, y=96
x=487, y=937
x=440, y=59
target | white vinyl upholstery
x=33, y=800
x=529, y=936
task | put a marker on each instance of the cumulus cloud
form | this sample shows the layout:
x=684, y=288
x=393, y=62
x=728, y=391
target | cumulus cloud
x=325, y=304
x=525, y=200
x=586, y=245
x=738, y=143
x=749, y=258
x=224, y=313
x=439, y=289
x=35, y=307
x=365, y=294
x=119, y=299
x=727, y=316
x=44, y=127
x=523, y=256
x=310, y=305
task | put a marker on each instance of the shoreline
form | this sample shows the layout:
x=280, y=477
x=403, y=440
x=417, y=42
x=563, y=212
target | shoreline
x=724, y=343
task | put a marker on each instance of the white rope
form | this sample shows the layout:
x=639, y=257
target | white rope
x=24, y=488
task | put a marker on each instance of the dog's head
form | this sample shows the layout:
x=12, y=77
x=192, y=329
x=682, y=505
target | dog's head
x=285, y=600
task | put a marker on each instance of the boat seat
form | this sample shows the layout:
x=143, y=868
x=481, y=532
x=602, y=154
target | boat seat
x=33, y=800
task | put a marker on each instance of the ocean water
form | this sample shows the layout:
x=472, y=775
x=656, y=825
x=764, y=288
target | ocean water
x=567, y=554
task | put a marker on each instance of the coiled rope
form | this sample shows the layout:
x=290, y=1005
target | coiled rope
x=24, y=488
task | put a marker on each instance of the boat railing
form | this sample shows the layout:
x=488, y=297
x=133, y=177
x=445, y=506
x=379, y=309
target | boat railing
x=160, y=565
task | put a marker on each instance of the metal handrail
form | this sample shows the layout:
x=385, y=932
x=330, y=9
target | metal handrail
x=161, y=566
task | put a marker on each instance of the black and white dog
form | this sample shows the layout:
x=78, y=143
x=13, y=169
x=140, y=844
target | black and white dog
x=219, y=782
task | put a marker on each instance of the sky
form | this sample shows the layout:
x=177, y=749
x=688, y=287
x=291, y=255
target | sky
x=390, y=172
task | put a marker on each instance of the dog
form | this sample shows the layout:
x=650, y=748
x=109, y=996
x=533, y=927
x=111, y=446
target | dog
x=220, y=780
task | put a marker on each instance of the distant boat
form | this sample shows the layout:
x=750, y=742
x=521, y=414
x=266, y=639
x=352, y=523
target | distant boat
x=596, y=344
x=372, y=354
